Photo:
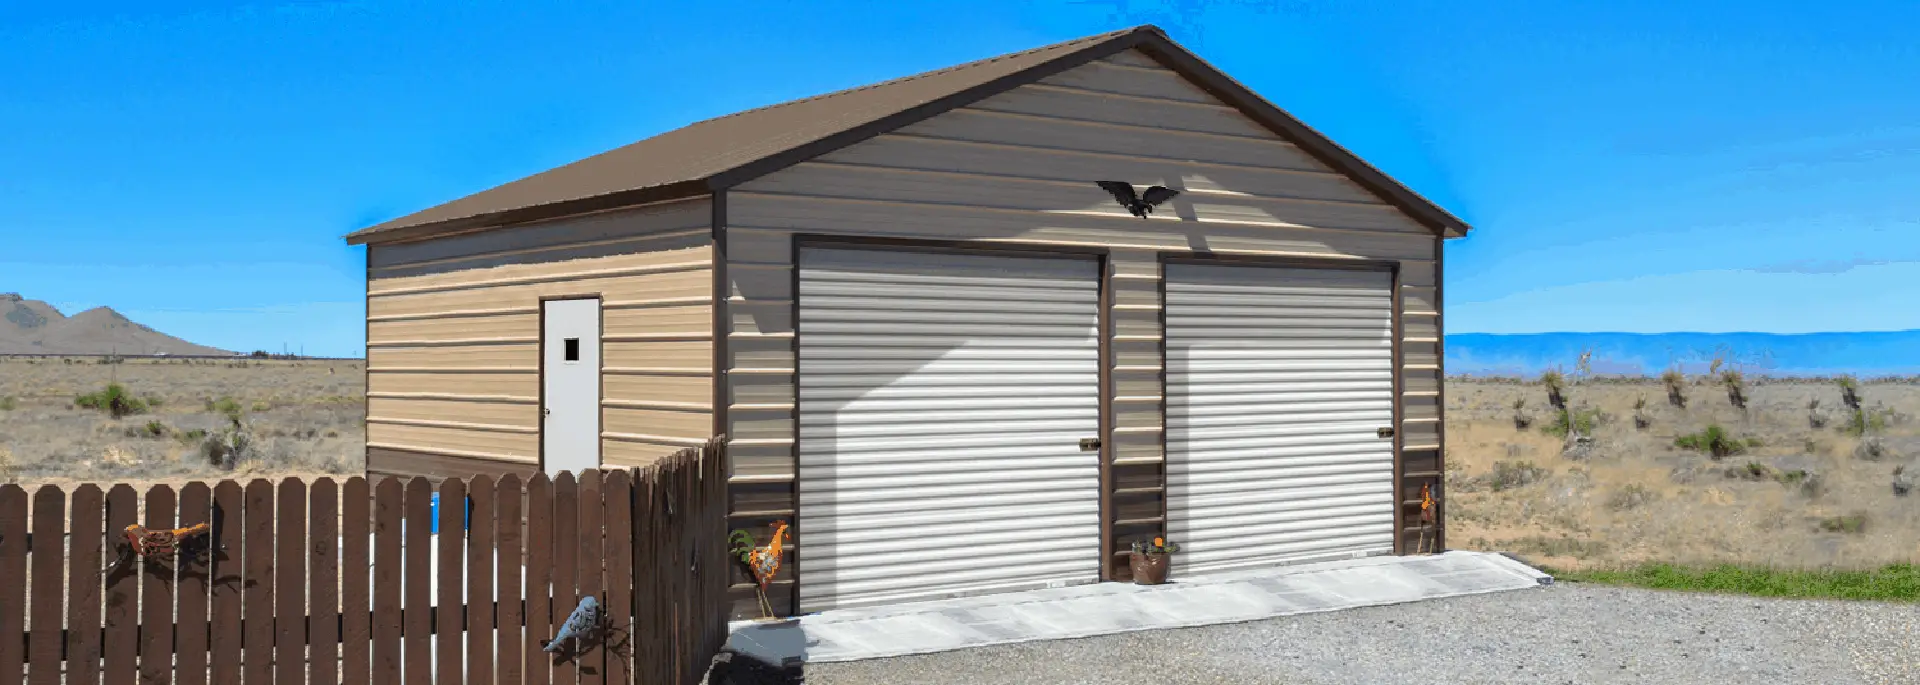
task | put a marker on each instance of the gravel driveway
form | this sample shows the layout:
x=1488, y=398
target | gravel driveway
x=1556, y=634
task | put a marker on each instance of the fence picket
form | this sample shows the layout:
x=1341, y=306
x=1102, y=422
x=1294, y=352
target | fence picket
x=229, y=580
x=480, y=572
x=156, y=594
x=121, y=648
x=356, y=618
x=591, y=662
x=566, y=550
x=323, y=629
x=190, y=635
x=389, y=507
x=617, y=495
x=539, y=541
x=417, y=661
x=448, y=637
x=83, y=585
x=290, y=584
x=49, y=550
x=13, y=596
x=508, y=497
x=257, y=631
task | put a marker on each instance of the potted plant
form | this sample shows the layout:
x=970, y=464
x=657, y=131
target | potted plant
x=1150, y=561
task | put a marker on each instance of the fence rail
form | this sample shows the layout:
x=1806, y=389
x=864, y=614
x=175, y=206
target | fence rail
x=356, y=582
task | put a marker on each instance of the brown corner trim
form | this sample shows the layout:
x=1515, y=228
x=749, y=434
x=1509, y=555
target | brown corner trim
x=722, y=317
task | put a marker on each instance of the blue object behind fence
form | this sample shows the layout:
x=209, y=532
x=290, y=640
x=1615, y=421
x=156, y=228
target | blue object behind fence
x=433, y=505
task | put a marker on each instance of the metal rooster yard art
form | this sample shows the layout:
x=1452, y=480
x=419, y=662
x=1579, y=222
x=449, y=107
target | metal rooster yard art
x=145, y=543
x=1138, y=205
x=762, y=561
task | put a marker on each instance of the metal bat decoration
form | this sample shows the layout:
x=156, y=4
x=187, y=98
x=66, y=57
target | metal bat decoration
x=582, y=624
x=1138, y=205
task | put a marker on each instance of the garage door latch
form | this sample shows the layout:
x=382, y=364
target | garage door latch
x=1089, y=444
x=1384, y=432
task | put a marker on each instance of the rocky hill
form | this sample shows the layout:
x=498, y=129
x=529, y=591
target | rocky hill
x=35, y=327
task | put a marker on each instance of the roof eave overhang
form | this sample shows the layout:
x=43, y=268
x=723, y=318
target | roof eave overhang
x=393, y=232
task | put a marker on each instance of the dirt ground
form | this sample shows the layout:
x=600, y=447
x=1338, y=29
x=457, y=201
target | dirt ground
x=1796, y=496
x=300, y=418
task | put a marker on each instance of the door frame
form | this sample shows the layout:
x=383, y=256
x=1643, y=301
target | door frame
x=1391, y=267
x=599, y=374
x=1101, y=256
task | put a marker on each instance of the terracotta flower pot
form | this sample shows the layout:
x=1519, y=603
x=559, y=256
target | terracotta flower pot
x=1150, y=569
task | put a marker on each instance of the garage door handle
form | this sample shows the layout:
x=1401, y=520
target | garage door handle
x=1089, y=444
x=1384, y=432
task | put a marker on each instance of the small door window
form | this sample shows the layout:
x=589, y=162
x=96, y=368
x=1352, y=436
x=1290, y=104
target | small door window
x=572, y=349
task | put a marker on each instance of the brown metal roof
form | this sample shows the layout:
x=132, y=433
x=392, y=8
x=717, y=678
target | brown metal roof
x=718, y=153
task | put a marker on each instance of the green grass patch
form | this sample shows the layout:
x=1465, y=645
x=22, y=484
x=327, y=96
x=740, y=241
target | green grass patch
x=1896, y=583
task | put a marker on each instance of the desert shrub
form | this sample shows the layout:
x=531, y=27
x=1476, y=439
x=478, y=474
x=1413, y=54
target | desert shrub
x=8, y=403
x=1556, y=385
x=1580, y=421
x=1850, y=523
x=1640, y=418
x=1849, y=392
x=1521, y=419
x=1632, y=496
x=1861, y=422
x=1815, y=419
x=192, y=436
x=1736, y=388
x=1676, y=383
x=114, y=399
x=7, y=470
x=228, y=407
x=1713, y=440
x=1508, y=475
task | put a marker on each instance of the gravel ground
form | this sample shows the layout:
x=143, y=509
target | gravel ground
x=1557, y=634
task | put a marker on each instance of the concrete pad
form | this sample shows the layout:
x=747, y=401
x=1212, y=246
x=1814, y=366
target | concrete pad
x=1105, y=608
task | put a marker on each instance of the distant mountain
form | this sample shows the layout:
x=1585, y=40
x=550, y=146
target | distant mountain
x=35, y=327
x=1894, y=353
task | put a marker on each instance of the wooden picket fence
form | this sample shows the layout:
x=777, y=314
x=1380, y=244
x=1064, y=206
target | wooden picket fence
x=348, y=582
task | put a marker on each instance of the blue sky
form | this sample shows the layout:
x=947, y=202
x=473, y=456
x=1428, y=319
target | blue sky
x=1628, y=166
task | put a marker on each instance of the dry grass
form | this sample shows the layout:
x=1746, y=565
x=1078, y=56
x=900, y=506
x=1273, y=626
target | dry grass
x=304, y=418
x=1794, y=496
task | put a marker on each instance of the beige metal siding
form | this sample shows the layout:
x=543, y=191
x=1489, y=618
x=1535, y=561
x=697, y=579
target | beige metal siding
x=453, y=337
x=1019, y=169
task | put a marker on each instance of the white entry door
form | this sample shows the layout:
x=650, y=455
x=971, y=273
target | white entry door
x=943, y=399
x=1278, y=381
x=570, y=385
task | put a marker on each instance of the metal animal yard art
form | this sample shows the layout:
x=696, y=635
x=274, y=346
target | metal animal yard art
x=1427, y=519
x=762, y=561
x=1139, y=205
x=145, y=543
x=584, y=625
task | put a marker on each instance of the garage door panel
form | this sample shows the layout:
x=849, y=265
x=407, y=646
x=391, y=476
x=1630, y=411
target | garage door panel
x=1277, y=381
x=942, y=399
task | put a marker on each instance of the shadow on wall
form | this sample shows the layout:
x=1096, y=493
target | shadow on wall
x=922, y=361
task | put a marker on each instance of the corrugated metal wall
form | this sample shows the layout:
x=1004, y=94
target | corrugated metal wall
x=942, y=403
x=1278, y=380
x=1018, y=168
x=453, y=330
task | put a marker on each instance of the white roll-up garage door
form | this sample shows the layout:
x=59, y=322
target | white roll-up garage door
x=1278, y=380
x=943, y=398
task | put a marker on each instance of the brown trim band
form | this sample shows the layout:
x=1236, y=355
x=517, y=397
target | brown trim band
x=519, y=215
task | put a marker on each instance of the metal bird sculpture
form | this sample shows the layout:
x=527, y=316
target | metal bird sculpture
x=762, y=562
x=144, y=543
x=580, y=625
x=1138, y=205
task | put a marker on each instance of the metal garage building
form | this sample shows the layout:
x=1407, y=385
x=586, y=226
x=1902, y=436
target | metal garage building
x=933, y=341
